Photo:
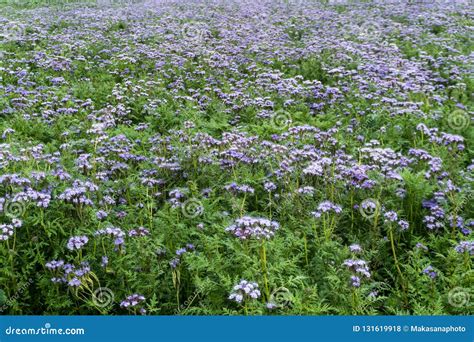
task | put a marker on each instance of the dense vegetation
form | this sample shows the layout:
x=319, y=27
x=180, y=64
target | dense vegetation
x=236, y=157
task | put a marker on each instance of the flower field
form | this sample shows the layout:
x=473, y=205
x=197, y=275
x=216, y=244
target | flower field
x=211, y=157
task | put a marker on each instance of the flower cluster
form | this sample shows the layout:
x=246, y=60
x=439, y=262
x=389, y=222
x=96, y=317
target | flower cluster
x=392, y=216
x=430, y=272
x=7, y=230
x=359, y=268
x=326, y=207
x=245, y=290
x=133, y=301
x=139, y=232
x=465, y=247
x=235, y=188
x=113, y=232
x=179, y=252
x=253, y=227
x=69, y=274
x=77, y=242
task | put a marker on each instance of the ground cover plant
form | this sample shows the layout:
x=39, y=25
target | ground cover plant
x=236, y=157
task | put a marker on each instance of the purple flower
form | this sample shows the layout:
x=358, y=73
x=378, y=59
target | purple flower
x=250, y=227
x=269, y=186
x=105, y=261
x=326, y=207
x=358, y=267
x=244, y=290
x=132, y=300
x=54, y=264
x=175, y=262
x=390, y=216
x=101, y=214
x=236, y=188
x=270, y=306
x=430, y=272
x=355, y=281
x=465, y=247
x=181, y=251
x=77, y=242
x=404, y=225
x=140, y=232
x=113, y=232
x=419, y=245
x=355, y=248
x=74, y=282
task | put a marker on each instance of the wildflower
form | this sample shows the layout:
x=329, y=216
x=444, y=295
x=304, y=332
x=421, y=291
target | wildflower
x=355, y=281
x=358, y=267
x=175, y=262
x=404, y=225
x=74, y=282
x=181, y=251
x=270, y=306
x=114, y=232
x=250, y=227
x=101, y=214
x=77, y=242
x=236, y=188
x=325, y=207
x=355, y=248
x=132, y=300
x=465, y=247
x=244, y=290
x=390, y=216
x=306, y=190
x=6, y=230
x=140, y=231
x=430, y=272
x=54, y=264
x=373, y=294
x=105, y=261
x=419, y=245
x=269, y=186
